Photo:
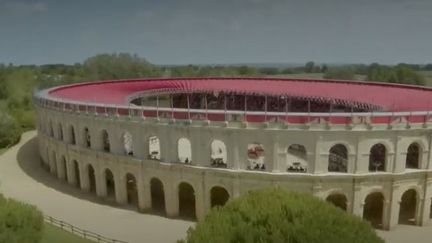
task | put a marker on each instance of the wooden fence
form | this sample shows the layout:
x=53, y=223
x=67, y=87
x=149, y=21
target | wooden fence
x=80, y=232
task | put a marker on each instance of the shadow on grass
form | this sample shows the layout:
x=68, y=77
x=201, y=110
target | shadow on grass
x=30, y=162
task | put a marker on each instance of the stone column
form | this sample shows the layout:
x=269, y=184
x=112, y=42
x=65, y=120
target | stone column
x=199, y=203
x=357, y=201
x=426, y=205
x=71, y=177
x=84, y=178
x=120, y=186
x=61, y=173
x=101, y=189
x=145, y=198
x=171, y=199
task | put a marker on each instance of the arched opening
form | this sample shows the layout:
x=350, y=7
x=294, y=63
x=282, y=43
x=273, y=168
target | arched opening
x=408, y=207
x=157, y=196
x=132, y=190
x=105, y=141
x=128, y=143
x=87, y=138
x=377, y=157
x=60, y=132
x=413, y=156
x=63, y=167
x=338, y=200
x=110, y=184
x=218, y=196
x=338, y=158
x=256, y=156
x=76, y=173
x=154, y=148
x=218, y=155
x=296, y=158
x=373, y=209
x=72, y=135
x=186, y=196
x=92, y=178
x=184, y=150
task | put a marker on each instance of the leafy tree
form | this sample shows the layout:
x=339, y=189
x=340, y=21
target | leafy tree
x=339, y=73
x=9, y=131
x=275, y=215
x=309, y=67
x=19, y=222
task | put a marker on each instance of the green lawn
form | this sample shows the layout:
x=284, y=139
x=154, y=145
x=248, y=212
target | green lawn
x=54, y=234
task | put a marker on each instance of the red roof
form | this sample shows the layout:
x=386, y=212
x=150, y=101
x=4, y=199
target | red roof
x=389, y=97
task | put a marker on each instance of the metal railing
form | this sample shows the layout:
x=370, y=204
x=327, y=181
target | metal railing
x=80, y=232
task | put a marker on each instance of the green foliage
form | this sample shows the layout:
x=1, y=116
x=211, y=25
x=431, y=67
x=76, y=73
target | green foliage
x=275, y=215
x=339, y=73
x=9, y=131
x=19, y=222
x=401, y=74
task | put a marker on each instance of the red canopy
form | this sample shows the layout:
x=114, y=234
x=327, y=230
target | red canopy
x=389, y=97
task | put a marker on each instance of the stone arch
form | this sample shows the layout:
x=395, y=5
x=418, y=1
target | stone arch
x=338, y=158
x=184, y=150
x=186, y=197
x=256, y=156
x=413, y=156
x=377, y=157
x=87, y=137
x=131, y=189
x=339, y=200
x=92, y=178
x=128, y=143
x=296, y=159
x=109, y=183
x=218, y=196
x=60, y=131
x=408, y=207
x=373, y=209
x=157, y=196
x=218, y=155
x=106, y=141
x=154, y=148
x=72, y=134
x=76, y=173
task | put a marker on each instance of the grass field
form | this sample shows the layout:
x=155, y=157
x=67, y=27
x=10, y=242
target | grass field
x=53, y=234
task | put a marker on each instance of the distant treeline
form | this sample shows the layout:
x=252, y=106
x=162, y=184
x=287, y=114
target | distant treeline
x=18, y=82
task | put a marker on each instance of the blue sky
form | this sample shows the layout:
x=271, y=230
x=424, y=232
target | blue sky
x=217, y=31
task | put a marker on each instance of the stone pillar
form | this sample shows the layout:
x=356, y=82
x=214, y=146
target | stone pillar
x=357, y=201
x=120, y=186
x=426, y=205
x=71, y=177
x=199, y=203
x=84, y=178
x=144, y=196
x=390, y=213
x=171, y=200
x=320, y=164
x=391, y=210
x=101, y=189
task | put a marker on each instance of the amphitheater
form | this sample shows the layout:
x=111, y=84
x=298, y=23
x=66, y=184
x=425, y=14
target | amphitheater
x=179, y=147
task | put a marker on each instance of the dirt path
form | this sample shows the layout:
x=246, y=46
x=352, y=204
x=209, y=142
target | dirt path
x=22, y=178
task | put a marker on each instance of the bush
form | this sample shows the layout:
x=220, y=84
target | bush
x=9, y=131
x=19, y=222
x=275, y=215
x=339, y=73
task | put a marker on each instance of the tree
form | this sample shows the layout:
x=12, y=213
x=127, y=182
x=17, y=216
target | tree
x=9, y=131
x=309, y=67
x=276, y=215
x=339, y=73
x=19, y=222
